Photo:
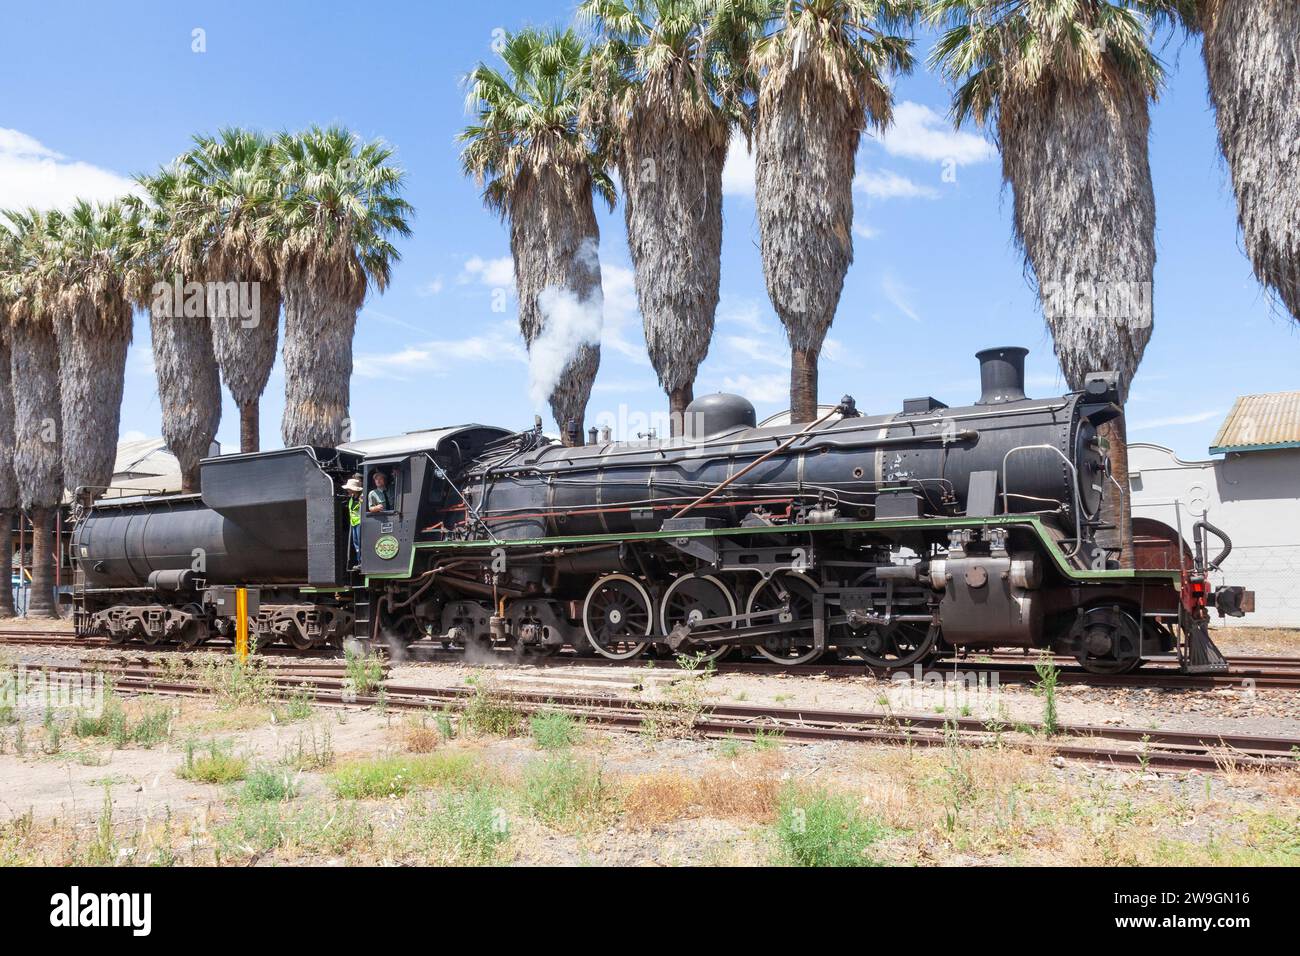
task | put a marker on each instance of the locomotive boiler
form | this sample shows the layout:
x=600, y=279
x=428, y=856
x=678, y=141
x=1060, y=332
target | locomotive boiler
x=1013, y=454
x=885, y=539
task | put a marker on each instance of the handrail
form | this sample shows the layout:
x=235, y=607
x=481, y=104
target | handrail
x=1074, y=488
x=1120, y=488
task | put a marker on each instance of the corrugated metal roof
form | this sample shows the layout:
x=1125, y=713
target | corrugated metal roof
x=1260, y=423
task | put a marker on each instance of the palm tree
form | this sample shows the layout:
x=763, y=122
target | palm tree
x=666, y=85
x=1252, y=55
x=539, y=170
x=1067, y=85
x=822, y=78
x=227, y=193
x=34, y=366
x=189, y=388
x=92, y=321
x=8, y=480
x=338, y=208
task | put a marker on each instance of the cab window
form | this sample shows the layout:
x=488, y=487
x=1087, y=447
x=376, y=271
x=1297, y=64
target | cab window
x=381, y=491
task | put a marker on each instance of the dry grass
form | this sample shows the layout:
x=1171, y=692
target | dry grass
x=419, y=739
x=747, y=791
x=1258, y=641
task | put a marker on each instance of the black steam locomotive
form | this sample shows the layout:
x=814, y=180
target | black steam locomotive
x=885, y=539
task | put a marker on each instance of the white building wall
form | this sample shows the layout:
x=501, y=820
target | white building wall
x=1254, y=497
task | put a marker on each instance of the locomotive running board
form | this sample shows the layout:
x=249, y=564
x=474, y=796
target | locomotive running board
x=1031, y=523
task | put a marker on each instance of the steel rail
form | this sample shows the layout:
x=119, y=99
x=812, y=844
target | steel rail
x=1173, y=750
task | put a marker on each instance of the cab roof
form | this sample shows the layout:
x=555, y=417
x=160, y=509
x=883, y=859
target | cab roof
x=429, y=440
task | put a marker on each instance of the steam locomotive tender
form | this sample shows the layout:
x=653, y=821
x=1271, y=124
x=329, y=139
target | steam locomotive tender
x=886, y=539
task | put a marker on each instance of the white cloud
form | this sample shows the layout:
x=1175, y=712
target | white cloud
x=918, y=132
x=898, y=295
x=371, y=312
x=770, y=387
x=31, y=174
x=494, y=273
x=886, y=184
x=738, y=171
x=432, y=287
x=622, y=331
x=498, y=343
x=864, y=231
x=758, y=349
x=1194, y=419
x=626, y=385
x=833, y=350
x=747, y=313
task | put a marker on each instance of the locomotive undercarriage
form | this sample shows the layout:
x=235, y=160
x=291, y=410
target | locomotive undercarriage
x=193, y=618
x=790, y=598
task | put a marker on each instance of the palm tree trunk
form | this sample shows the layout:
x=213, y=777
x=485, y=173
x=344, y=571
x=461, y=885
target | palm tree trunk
x=245, y=352
x=1252, y=54
x=189, y=389
x=678, y=399
x=807, y=138
x=8, y=479
x=38, y=458
x=1085, y=215
x=671, y=168
x=1117, y=505
x=803, y=385
x=318, y=334
x=569, y=396
x=7, y=555
x=92, y=370
x=40, y=601
x=249, y=427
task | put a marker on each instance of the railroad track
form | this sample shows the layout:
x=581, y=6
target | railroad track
x=68, y=639
x=1275, y=672
x=1155, y=749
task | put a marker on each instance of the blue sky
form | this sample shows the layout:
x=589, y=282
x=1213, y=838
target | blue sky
x=95, y=92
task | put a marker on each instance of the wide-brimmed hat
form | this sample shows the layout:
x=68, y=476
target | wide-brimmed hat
x=352, y=484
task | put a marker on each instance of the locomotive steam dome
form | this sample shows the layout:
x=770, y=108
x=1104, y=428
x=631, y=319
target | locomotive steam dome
x=717, y=414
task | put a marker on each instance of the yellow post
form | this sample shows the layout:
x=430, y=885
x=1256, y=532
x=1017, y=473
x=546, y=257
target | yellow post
x=241, y=624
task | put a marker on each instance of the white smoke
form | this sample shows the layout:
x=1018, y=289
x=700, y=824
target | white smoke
x=570, y=321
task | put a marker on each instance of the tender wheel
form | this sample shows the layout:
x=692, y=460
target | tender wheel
x=196, y=632
x=693, y=597
x=617, y=617
x=796, y=590
x=296, y=636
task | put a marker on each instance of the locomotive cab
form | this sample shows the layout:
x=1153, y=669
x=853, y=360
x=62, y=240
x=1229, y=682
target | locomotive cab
x=419, y=472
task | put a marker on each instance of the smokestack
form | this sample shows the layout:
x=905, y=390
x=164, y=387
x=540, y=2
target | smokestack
x=1002, y=375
